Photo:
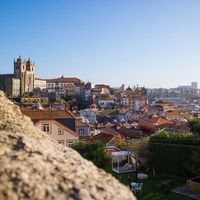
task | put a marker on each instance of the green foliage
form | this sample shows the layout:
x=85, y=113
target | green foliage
x=93, y=151
x=121, y=144
x=165, y=185
x=194, y=126
x=158, y=187
x=124, y=146
x=172, y=152
x=150, y=190
x=144, y=153
x=110, y=112
x=194, y=165
x=166, y=190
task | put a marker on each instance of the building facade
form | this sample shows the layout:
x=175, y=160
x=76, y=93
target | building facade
x=21, y=81
x=25, y=71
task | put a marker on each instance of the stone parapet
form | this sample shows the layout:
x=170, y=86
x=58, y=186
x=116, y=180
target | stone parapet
x=34, y=166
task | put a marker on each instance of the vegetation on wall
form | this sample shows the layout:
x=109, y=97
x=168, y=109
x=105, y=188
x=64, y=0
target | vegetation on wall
x=173, y=153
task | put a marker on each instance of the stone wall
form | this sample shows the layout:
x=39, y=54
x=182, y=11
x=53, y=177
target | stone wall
x=33, y=166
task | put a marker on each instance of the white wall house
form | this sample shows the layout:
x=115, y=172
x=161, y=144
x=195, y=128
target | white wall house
x=89, y=115
x=57, y=131
x=83, y=129
x=39, y=83
x=124, y=101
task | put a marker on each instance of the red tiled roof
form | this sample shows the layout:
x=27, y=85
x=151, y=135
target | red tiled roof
x=91, y=125
x=155, y=120
x=64, y=80
x=173, y=114
x=41, y=79
x=163, y=102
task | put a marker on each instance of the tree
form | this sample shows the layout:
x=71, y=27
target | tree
x=145, y=154
x=194, y=165
x=123, y=145
x=194, y=126
x=93, y=151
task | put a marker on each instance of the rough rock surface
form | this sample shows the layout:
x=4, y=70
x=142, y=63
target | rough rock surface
x=33, y=166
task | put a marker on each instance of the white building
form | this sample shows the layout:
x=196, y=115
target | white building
x=40, y=83
x=89, y=115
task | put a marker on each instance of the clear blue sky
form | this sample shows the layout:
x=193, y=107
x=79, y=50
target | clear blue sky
x=152, y=43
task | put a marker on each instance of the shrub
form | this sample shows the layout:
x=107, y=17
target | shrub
x=166, y=190
x=165, y=185
x=158, y=187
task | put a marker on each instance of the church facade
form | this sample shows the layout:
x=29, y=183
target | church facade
x=21, y=81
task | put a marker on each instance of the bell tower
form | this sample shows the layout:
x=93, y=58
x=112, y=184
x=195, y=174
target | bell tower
x=25, y=71
x=29, y=76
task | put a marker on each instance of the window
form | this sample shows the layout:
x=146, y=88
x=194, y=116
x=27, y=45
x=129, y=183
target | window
x=46, y=128
x=81, y=132
x=60, y=131
x=69, y=143
x=61, y=142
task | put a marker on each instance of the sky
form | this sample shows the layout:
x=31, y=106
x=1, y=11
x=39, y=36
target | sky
x=150, y=43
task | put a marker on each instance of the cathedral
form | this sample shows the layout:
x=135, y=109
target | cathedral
x=21, y=81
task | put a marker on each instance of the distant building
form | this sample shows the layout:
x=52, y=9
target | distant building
x=69, y=89
x=59, y=85
x=193, y=88
x=122, y=88
x=89, y=115
x=21, y=81
x=25, y=71
x=40, y=83
x=163, y=106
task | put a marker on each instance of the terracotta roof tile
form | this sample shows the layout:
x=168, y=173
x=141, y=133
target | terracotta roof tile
x=47, y=113
x=64, y=80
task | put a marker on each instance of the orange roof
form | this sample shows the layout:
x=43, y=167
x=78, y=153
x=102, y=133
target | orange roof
x=156, y=120
x=173, y=114
x=162, y=121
